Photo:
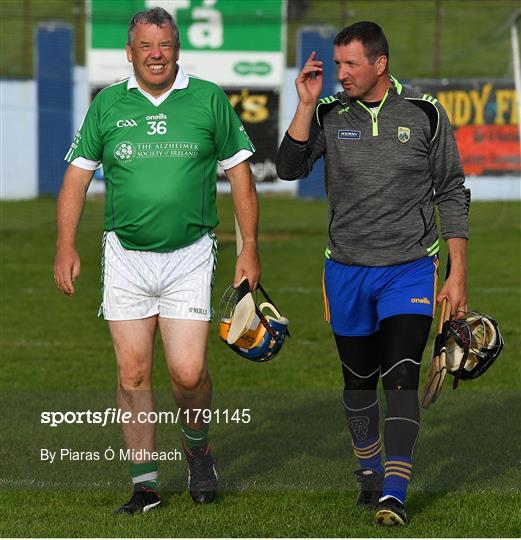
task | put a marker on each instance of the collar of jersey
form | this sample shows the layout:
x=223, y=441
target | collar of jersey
x=397, y=84
x=181, y=82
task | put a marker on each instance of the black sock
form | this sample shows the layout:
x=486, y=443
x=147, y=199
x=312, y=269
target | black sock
x=360, y=367
x=405, y=337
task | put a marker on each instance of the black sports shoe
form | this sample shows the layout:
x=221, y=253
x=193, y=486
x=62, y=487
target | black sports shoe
x=141, y=501
x=390, y=512
x=202, y=478
x=371, y=484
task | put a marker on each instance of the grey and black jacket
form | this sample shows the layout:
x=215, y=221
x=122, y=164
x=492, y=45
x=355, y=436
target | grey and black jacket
x=384, y=172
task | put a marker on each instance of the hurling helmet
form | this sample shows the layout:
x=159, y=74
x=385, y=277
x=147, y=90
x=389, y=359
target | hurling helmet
x=473, y=344
x=253, y=332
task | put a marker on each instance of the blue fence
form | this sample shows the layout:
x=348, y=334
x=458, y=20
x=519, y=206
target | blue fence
x=54, y=75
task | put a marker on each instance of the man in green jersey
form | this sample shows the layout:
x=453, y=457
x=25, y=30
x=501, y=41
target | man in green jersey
x=159, y=135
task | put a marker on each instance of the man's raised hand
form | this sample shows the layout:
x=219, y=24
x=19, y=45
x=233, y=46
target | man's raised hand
x=309, y=80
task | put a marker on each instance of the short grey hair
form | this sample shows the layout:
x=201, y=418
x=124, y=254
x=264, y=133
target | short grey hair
x=157, y=16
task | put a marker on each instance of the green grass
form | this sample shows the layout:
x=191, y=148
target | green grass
x=289, y=471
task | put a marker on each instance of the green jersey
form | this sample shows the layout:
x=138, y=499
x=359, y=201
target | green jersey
x=160, y=159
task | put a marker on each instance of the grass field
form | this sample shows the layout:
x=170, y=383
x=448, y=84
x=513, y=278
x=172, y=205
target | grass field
x=473, y=36
x=289, y=471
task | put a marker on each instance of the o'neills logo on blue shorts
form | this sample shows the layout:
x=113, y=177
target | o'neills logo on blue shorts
x=348, y=134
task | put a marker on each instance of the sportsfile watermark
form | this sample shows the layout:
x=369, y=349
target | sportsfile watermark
x=250, y=454
x=113, y=415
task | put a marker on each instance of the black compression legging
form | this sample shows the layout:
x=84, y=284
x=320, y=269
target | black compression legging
x=394, y=354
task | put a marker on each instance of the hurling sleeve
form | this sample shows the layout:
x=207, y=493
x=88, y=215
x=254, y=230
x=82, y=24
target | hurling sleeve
x=231, y=140
x=87, y=147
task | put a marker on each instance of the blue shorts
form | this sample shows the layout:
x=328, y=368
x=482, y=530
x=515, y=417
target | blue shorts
x=357, y=298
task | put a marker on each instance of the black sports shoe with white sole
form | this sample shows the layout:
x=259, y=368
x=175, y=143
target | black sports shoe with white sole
x=202, y=477
x=141, y=501
x=390, y=512
x=371, y=484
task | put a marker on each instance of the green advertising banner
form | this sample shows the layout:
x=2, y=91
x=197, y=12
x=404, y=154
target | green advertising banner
x=230, y=42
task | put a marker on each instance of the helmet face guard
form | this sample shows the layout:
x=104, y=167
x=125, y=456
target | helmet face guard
x=473, y=344
x=255, y=333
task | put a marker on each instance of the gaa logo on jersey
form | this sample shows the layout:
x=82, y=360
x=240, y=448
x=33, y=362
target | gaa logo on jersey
x=126, y=123
x=124, y=151
x=404, y=134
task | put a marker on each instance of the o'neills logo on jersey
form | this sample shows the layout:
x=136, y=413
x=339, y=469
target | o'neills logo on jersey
x=420, y=300
x=159, y=116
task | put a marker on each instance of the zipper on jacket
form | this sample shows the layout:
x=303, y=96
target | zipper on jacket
x=375, y=124
x=374, y=115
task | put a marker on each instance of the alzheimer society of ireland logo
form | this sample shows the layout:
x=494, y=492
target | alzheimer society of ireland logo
x=124, y=151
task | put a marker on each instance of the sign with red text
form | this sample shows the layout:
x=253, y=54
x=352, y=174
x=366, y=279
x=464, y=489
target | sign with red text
x=483, y=114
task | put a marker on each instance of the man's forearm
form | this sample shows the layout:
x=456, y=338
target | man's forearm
x=458, y=257
x=69, y=208
x=246, y=207
x=300, y=125
x=455, y=287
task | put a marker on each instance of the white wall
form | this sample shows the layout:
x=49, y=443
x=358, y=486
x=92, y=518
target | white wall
x=81, y=102
x=494, y=188
x=19, y=136
x=18, y=140
x=80, y=97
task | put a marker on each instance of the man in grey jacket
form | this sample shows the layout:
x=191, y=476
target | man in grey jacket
x=390, y=157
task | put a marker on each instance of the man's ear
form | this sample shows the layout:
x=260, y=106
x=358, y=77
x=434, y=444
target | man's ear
x=381, y=64
x=128, y=49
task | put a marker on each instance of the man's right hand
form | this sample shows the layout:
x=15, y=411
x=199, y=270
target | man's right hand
x=68, y=212
x=66, y=269
x=309, y=81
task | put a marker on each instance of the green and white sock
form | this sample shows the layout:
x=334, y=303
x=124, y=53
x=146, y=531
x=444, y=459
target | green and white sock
x=144, y=475
x=195, y=438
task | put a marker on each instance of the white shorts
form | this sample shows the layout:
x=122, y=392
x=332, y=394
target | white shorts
x=174, y=285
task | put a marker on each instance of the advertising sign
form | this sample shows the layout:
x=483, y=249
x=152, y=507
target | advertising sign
x=259, y=114
x=483, y=114
x=227, y=42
